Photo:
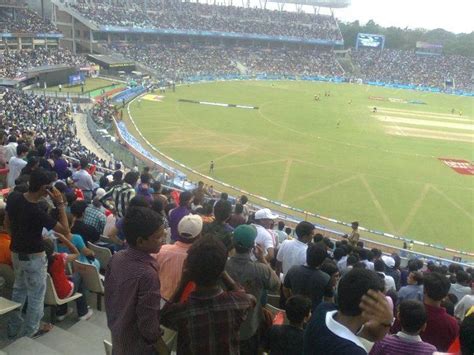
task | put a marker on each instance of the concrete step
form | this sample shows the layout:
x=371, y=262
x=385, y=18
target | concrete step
x=66, y=342
x=91, y=333
x=28, y=346
x=99, y=318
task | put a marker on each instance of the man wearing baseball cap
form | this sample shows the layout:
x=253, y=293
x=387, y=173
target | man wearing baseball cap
x=255, y=277
x=172, y=256
x=264, y=220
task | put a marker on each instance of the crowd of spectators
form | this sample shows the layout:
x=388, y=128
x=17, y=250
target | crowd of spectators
x=408, y=67
x=23, y=20
x=25, y=117
x=13, y=63
x=200, y=265
x=181, y=60
x=206, y=17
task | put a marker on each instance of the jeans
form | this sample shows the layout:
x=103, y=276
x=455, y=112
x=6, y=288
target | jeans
x=81, y=302
x=30, y=283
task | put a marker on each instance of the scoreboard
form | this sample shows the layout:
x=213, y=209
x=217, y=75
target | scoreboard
x=370, y=41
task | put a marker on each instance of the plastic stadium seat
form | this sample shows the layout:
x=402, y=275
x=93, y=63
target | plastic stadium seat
x=102, y=254
x=7, y=305
x=91, y=279
x=6, y=271
x=273, y=299
x=51, y=298
x=108, y=347
x=169, y=337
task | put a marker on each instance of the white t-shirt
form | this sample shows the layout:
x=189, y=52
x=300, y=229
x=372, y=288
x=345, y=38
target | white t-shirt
x=264, y=238
x=14, y=165
x=292, y=252
x=389, y=282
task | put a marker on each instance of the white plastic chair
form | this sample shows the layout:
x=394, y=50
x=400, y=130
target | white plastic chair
x=6, y=271
x=101, y=253
x=108, y=347
x=51, y=298
x=91, y=279
x=169, y=337
x=7, y=305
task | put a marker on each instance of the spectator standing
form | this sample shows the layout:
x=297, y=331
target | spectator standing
x=255, y=277
x=264, y=219
x=414, y=289
x=10, y=148
x=208, y=322
x=246, y=212
x=60, y=165
x=363, y=311
x=354, y=236
x=83, y=179
x=237, y=218
x=171, y=257
x=175, y=215
x=219, y=227
x=16, y=164
x=293, y=252
x=379, y=268
x=121, y=193
x=288, y=339
x=441, y=328
x=462, y=286
x=280, y=233
x=412, y=316
x=132, y=286
x=308, y=280
x=25, y=220
x=463, y=306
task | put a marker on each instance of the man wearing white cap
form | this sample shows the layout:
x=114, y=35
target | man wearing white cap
x=172, y=256
x=264, y=220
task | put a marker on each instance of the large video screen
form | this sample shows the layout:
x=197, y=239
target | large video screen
x=370, y=40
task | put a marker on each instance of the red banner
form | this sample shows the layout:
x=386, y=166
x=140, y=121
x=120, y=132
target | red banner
x=460, y=166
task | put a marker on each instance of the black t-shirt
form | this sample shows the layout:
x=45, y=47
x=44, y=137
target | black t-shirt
x=313, y=283
x=87, y=232
x=284, y=340
x=27, y=220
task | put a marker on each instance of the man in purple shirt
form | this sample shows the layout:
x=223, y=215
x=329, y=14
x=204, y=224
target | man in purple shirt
x=185, y=199
x=412, y=316
x=132, y=286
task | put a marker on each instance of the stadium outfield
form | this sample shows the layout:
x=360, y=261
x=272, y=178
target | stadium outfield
x=335, y=156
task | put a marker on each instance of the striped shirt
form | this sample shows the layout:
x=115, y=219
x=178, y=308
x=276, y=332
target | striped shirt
x=121, y=196
x=400, y=344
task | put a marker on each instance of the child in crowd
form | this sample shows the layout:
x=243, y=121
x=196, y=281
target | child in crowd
x=208, y=322
x=65, y=286
x=412, y=316
x=288, y=339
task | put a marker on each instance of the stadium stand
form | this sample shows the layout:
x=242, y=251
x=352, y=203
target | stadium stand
x=182, y=60
x=25, y=115
x=23, y=20
x=407, y=67
x=315, y=269
x=205, y=17
x=14, y=63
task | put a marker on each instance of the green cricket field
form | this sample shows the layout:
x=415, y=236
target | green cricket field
x=404, y=169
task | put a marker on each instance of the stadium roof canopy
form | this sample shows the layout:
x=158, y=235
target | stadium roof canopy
x=334, y=4
x=110, y=61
